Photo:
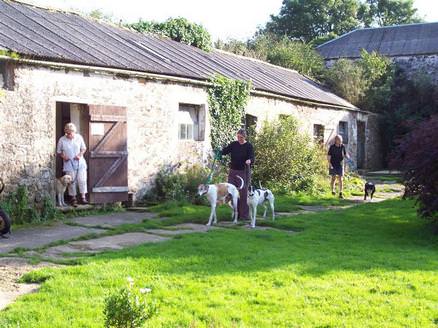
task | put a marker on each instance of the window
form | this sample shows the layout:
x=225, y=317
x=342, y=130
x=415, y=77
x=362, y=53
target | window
x=343, y=131
x=6, y=76
x=191, y=122
x=318, y=133
x=250, y=123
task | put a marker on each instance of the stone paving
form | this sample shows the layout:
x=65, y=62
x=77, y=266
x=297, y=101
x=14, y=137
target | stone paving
x=113, y=220
x=36, y=237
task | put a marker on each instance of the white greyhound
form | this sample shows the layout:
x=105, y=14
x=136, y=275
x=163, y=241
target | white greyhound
x=221, y=193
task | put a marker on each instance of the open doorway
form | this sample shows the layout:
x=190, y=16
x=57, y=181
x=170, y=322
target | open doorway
x=360, y=144
x=104, y=130
x=74, y=113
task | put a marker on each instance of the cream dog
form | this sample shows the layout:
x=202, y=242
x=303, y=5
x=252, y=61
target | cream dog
x=258, y=197
x=221, y=193
x=61, y=185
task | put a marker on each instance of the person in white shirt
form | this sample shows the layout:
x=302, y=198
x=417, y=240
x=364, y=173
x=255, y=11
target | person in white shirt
x=71, y=148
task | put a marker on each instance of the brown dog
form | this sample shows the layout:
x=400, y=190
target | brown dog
x=61, y=185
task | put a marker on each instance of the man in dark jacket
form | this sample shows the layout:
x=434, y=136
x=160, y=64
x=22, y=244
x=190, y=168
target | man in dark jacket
x=335, y=157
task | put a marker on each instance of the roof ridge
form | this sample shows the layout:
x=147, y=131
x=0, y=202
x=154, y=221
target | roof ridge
x=31, y=3
x=395, y=26
x=256, y=60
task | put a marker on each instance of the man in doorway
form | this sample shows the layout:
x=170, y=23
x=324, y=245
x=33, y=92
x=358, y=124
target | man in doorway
x=335, y=157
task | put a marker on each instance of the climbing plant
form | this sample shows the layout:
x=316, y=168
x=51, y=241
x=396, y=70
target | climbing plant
x=227, y=99
x=178, y=29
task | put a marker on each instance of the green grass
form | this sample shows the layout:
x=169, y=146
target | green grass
x=374, y=265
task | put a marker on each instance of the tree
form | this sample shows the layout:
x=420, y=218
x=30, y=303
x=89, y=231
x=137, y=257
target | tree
x=283, y=52
x=413, y=99
x=417, y=156
x=387, y=12
x=178, y=29
x=307, y=20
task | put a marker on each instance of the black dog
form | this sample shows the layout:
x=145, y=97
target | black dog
x=370, y=189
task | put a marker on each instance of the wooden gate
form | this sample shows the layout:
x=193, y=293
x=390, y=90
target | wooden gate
x=108, y=154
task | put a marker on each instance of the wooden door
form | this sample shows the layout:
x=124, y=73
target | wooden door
x=108, y=154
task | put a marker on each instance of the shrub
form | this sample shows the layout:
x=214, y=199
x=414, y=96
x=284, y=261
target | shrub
x=417, y=156
x=285, y=159
x=173, y=183
x=127, y=308
x=298, y=56
x=22, y=210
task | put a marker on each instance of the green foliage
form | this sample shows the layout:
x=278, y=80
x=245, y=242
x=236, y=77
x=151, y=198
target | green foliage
x=378, y=72
x=365, y=83
x=346, y=79
x=286, y=159
x=23, y=210
x=307, y=20
x=178, y=29
x=312, y=20
x=178, y=185
x=388, y=12
x=227, y=99
x=412, y=99
x=298, y=56
x=9, y=53
x=282, y=51
x=127, y=308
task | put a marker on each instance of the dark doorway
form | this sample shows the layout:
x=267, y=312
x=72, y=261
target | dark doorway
x=74, y=113
x=360, y=144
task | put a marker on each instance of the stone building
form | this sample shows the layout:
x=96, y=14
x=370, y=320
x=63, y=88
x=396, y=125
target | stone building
x=139, y=101
x=413, y=47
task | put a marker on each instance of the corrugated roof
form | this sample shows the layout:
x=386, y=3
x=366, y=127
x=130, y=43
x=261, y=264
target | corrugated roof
x=400, y=40
x=70, y=38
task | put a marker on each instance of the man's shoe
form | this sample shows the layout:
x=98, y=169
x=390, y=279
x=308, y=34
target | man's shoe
x=74, y=202
x=333, y=192
x=341, y=196
x=84, y=201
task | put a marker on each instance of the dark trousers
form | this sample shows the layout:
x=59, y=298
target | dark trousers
x=243, y=204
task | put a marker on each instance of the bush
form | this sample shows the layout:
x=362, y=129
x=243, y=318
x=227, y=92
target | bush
x=417, y=156
x=173, y=183
x=127, y=308
x=22, y=210
x=285, y=159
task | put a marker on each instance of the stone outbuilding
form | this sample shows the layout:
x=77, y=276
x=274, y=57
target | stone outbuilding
x=139, y=101
x=413, y=47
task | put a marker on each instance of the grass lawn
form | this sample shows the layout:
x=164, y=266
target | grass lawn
x=374, y=265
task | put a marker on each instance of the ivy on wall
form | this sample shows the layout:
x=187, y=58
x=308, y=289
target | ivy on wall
x=227, y=99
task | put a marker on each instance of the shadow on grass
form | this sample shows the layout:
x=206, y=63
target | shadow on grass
x=375, y=236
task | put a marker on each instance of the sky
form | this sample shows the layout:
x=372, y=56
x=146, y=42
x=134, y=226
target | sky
x=224, y=19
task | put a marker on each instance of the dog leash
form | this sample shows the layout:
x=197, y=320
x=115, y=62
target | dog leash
x=76, y=170
x=248, y=174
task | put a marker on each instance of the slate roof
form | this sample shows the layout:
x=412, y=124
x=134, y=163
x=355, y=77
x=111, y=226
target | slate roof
x=70, y=38
x=400, y=40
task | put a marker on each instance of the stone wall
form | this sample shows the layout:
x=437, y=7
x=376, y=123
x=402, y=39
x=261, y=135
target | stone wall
x=427, y=64
x=28, y=122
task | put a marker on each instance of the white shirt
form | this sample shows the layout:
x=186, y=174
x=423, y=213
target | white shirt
x=70, y=148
